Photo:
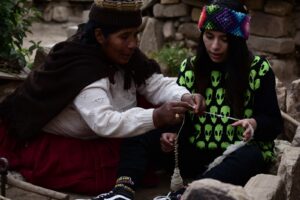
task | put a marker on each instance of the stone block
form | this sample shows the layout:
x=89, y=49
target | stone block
x=289, y=171
x=170, y=11
x=266, y=187
x=166, y=2
x=255, y=4
x=296, y=140
x=152, y=37
x=296, y=20
x=297, y=38
x=270, y=25
x=284, y=69
x=195, y=14
x=280, y=8
x=272, y=45
x=281, y=94
x=214, y=189
x=194, y=3
x=168, y=30
x=190, y=31
x=293, y=100
x=61, y=13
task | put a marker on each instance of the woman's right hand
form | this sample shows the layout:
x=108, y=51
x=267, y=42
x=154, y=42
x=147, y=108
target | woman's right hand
x=167, y=142
x=170, y=113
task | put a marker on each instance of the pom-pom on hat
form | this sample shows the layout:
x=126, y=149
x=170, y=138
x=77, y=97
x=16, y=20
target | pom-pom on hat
x=118, y=13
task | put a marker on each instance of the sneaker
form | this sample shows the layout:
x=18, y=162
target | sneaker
x=111, y=196
x=171, y=195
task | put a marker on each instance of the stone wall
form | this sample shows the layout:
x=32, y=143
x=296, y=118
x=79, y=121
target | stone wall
x=275, y=30
x=275, y=27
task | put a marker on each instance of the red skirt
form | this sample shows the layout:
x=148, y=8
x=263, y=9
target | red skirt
x=63, y=163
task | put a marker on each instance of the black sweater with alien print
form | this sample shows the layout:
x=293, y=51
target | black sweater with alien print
x=215, y=134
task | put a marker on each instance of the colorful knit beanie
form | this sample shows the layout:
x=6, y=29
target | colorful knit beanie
x=217, y=18
x=117, y=13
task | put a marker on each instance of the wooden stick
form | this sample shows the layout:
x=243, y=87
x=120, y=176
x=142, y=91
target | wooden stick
x=3, y=198
x=36, y=189
x=290, y=119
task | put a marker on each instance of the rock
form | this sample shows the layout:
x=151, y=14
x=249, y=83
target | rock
x=170, y=11
x=195, y=14
x=272, y=45
x=289, y=171
x=168, y=30
x=255, y=4
x=281, y=95
x=190, y=31
x=210, y=189
x=293, y=100
x=60, y=13
x=280, y=8
x=267, y=25
x=152, y=38
x=285, y=69
x=265, y=187
x=296, y=140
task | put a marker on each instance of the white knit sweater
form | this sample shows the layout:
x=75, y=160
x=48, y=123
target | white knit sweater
x=107, y=110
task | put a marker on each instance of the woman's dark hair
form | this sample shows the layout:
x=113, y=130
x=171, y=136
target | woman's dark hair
x=237, y=64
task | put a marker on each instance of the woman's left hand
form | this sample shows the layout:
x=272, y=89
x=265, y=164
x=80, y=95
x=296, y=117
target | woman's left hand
x=196, y=101
x=249, y=125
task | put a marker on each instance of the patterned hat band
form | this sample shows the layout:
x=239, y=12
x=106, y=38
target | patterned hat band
x=216, y=18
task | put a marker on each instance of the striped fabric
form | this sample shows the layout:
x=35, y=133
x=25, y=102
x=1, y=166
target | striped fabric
x=124, y=5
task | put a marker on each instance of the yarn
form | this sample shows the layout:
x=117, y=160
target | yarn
x=176, y=180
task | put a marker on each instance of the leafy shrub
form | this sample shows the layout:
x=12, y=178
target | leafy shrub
x=16, y=17
x=171, y=55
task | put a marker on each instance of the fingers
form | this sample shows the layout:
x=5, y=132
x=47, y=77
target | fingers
x=247, y=125
x=196, y=102
x=167, y=141
x=199, y=107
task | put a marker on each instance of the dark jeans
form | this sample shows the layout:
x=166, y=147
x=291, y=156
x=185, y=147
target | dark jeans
x=237, y=168
x=138, y=153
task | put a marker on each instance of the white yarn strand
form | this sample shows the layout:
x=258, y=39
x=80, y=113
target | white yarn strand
x=176, y=180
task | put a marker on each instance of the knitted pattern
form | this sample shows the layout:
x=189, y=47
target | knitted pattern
x=125, y=5
x=214, y=17
x=117, y=13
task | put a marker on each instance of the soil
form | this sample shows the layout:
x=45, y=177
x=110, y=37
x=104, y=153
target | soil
x=49, y=34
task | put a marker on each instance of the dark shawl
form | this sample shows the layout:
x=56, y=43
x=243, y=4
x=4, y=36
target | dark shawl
x=69, y=67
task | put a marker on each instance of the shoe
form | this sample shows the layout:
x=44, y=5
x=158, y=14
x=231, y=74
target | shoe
x=171, y=195
x=111, y=196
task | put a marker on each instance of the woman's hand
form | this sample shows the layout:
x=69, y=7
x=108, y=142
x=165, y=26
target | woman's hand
x=170, y=113
x=249, y=125
x=167, y=142
x=196, y=101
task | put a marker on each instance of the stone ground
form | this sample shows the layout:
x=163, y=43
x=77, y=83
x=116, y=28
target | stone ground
x=49, y=34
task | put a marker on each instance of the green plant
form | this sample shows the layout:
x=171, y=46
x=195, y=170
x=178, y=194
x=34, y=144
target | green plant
x=16, y=17
x=171, y=55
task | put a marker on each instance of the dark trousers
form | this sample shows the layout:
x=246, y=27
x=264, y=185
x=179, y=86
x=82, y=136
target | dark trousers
x=237, y=168
x=140, y=152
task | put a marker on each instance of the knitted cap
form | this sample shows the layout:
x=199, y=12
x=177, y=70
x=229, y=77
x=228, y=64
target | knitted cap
x=120, y=13
x=215, y=17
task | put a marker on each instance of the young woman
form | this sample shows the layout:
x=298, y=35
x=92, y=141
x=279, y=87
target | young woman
x=241, y=101
x=87, y=89
x=241, y=105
